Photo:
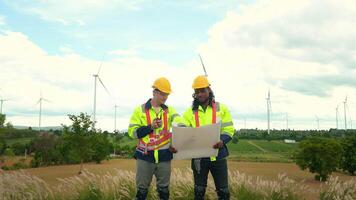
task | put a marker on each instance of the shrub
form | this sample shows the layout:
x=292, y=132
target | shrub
x=348, y=158
x=319, y=155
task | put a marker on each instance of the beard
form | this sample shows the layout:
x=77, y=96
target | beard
x=203, y=101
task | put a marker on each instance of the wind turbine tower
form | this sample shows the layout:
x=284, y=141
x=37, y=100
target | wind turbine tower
x=96, y=78
x=269, y=107
x=116, y=106
x=1, y=103
x=345, y=103
x=40, y=111
x=337, y=116
x=317, y=121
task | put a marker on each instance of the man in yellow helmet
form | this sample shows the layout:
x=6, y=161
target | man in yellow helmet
x=205, y=111
x=150, y=124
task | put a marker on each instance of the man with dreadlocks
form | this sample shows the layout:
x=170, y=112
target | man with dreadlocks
x=205, y=111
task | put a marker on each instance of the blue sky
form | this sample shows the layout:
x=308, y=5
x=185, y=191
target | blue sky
x=303, y=51
x=165, y=30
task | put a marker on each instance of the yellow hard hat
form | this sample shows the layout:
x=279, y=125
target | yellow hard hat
x=200, y=82
x=163, y=85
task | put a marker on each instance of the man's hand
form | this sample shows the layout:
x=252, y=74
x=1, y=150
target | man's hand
x=156, y=123
x=218, y=145
x=172, y=149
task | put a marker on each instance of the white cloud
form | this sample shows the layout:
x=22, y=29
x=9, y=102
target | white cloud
x=298, y=49
x=2, y=20
x=281, y=45
x=69, y=12
x=67, y=81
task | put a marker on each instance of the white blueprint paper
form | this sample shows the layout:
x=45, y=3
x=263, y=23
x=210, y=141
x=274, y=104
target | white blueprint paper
x=195, y=142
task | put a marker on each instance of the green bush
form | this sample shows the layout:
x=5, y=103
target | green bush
x=101, y=147
x=319, y=155
x=348, y=159
x=9, y=152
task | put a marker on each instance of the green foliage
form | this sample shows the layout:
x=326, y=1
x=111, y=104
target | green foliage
x=78, y=135
x=9, y=125
x=2, y=145
x=297, y=135
x=46, y=151
x=11, y=133
x=100, y=146
x=348, y=159
x=319, y=155
x=16, y=166
x=19, y=148
x=2, y=119
x=91, y=192
x=9, y=152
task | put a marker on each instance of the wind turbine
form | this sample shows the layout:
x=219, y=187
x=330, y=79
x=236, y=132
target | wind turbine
x=317, y=120
x=1, y=103
x=287, y=120
x=269, y=108
x=348, y=110
x=116, y=106
x=96, y=78
x=40, y=110
x=337, y=116
x=345, y=104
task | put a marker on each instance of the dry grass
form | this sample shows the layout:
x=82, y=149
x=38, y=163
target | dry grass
x=334, y=189
x=245, y=177
x=121, y=185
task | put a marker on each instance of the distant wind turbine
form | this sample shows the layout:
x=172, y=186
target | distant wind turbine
x=96, y=78
x=317, y=120
x=40, y=110
x=116, y=106
x=337, y=116
x=269, y=108
x=348, y=111
x=1, y=103
x=345, y=105
x=287, y=120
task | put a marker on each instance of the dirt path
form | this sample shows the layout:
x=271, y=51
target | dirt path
x=260, y=148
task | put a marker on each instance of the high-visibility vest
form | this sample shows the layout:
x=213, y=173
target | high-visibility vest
x=196, y=116
x=156, y=141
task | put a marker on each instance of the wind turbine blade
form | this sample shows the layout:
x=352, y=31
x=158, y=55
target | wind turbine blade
x=101, y=63
x=104, y=86
x=202, y=63
x=46, y=100
x=39, y=100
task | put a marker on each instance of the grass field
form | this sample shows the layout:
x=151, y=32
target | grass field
x=252, y=150
x=262, y=151
x=18, y=140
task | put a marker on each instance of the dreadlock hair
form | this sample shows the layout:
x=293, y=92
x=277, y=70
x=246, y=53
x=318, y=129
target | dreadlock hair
x=196, y=102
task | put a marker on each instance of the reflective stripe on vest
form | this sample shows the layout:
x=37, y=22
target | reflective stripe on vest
x=197, y=124
x=156, y=141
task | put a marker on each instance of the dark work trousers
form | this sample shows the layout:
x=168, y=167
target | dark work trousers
x=219, y=172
